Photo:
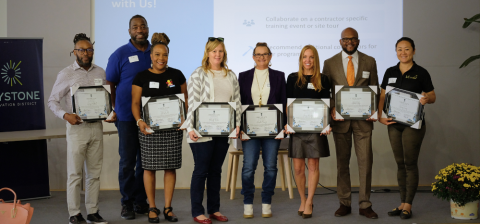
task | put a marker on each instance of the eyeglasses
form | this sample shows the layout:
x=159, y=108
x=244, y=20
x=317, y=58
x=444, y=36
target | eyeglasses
x=221, y=39
x=353, y=39
x=261, y=55
x=83, y=51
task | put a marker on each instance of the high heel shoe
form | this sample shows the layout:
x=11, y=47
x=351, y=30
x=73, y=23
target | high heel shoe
x=172, y=218
x=156, y=219
x=300, y=213
x=306, y=216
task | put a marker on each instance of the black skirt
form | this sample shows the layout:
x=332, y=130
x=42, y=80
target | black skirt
x=161, y=150
x=308, y=146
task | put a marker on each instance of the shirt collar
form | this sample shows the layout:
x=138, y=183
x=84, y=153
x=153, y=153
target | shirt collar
x=414, y=66
x=354, y=55
x=134, y=49
x=76, y=66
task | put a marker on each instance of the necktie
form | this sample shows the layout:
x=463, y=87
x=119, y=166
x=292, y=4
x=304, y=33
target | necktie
x=350, y=72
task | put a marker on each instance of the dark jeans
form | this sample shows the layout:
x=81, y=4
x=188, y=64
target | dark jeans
x=208, y=157
x=130, y=174
x=406, y=143
x=251, y=152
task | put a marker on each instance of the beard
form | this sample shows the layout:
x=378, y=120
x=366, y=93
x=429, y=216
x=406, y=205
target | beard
x=84, y=64
x=350, y=52
x=139, y=42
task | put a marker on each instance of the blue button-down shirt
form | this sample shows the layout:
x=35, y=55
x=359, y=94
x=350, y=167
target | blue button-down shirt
x=122, y=71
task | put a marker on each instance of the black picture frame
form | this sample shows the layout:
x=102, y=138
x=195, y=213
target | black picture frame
x=147, y=118
x=362, y=89
x=299, y=129
x=278, y=125
x=419, y=116
x=77, y=108
x=197, y=124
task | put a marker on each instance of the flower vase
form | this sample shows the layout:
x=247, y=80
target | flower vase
x=469, y=211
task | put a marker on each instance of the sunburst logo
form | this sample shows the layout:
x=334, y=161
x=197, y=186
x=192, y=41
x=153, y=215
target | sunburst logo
x=11, y=73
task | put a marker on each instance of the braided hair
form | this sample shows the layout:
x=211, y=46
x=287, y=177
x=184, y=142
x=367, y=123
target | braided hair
x=79, y=37
x=160, y=38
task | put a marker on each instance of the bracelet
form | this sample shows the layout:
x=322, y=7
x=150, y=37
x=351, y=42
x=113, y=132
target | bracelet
x=139, y=120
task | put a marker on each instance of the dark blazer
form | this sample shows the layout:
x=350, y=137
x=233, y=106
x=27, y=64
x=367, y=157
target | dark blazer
x=333, y=68
x=278, y=92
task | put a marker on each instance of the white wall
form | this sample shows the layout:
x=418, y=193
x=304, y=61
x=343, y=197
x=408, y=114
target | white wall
x=442, y=45
x=3, y=18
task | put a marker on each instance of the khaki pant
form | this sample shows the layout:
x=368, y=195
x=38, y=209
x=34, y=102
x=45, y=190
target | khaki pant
x=84, y=146
x=363, y=150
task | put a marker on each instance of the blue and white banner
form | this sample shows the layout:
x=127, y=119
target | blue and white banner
x=21, y=85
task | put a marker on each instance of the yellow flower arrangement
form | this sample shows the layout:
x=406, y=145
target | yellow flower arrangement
x=459, y=182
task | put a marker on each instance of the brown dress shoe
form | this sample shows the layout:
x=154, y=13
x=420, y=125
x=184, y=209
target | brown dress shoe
x=369, y=213
x=343, y=210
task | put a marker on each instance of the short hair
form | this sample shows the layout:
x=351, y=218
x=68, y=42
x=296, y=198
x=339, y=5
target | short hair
x=406, y=39
x=210, y=46
x=160, y=39
x=137, y=16
x=80, y=36
x=262, y=44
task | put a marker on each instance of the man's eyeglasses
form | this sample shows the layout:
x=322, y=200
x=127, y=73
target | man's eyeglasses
x=261, y=55
x=353, y=39
x=83, y=51
x=221, y=39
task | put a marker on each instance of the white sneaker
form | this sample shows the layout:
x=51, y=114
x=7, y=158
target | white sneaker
x=266, y=210
x=248, y=211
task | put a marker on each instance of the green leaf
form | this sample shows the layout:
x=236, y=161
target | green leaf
x=469, y=21
x=470, y=59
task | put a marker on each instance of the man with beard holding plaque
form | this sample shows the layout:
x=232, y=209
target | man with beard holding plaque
x=352, y=68
x=84, y=139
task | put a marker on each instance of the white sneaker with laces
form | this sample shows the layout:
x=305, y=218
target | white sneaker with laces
x=266, y=210
x=248, y=211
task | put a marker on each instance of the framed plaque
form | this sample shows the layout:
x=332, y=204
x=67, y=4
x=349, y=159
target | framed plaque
x=214, y=119
x=404, y=107
x=308, y=115
x=262, y=122
x=91, y=103
x=164, y=112
x=356, y=102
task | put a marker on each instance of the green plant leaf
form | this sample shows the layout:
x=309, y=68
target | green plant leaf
x=469, y=21
x=470, y=59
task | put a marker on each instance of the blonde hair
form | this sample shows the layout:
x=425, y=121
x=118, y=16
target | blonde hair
x=210, y=46
x=316, y=77
x=160, y=38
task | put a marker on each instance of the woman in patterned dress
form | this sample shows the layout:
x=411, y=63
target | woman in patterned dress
x=162, y=149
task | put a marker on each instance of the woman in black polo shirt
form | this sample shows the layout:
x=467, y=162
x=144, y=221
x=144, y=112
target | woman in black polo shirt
x=406, y=141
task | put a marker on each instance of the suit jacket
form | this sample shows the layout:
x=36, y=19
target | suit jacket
x=278, y=92
x=333, y=68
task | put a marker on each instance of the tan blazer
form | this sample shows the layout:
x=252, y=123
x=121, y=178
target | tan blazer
x=333, y=68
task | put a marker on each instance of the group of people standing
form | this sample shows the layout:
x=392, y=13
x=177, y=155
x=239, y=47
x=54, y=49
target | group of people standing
x=140, y=68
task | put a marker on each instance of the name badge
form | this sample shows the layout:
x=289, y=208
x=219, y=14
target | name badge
x=392, y=80
x=98, y=82
x=133, y=58
x=154, y=85
x=365, y=75
x=310, y=86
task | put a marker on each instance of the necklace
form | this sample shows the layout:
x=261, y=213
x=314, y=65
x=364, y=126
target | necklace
x=261, y=90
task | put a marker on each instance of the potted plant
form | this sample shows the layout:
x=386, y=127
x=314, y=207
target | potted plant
x=459, y=183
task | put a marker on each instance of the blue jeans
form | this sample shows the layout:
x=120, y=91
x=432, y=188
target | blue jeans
x=130, y=174
x=208, y=158
x=251, y=152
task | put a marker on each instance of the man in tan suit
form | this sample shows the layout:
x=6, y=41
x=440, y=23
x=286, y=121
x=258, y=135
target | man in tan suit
x=352, y=68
